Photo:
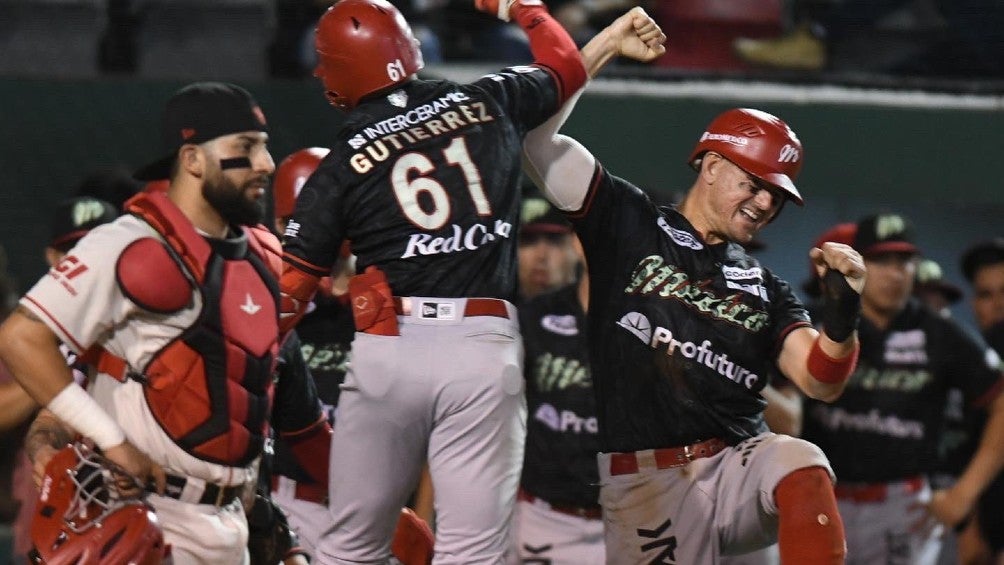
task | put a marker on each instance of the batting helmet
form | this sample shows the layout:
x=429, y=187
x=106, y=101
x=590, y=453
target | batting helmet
x=757, y=142
x=290, y=176
x=363, y=46
x=83, y=518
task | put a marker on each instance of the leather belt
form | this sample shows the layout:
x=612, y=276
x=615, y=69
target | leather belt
x=877, y=492
x=309, y=492
x=213, y=494
x=666, y=458
x=590, y=513
x=472, y=306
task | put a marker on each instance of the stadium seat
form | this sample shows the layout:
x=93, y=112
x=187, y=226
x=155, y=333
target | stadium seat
x=701, y=31
x=195, y=39
x=50, y=37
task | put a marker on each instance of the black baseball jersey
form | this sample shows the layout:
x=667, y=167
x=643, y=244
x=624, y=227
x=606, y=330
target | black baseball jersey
x=324, y=341
x=559, y=464
x=683, y=334
x=423, y=182
x=887, y=424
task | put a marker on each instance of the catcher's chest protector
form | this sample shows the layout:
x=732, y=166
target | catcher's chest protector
x=210, y=388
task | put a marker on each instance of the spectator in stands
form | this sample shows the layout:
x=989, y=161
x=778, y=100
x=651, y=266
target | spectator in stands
x=291, y=53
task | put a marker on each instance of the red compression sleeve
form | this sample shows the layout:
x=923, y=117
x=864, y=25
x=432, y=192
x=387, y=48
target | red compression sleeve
x=810, y=530
x=826, y=369
x=552, y=48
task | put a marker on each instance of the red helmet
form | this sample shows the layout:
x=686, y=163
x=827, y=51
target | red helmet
x=82, y=518
x=290, y=176
x=363, y=46
x=757, y=142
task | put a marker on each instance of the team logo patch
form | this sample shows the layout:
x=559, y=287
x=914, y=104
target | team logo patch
x=679, y=237
x=437, y=310
x=637, y=324
x=357, y=141
x=561, y=325
x=398, y=98
x=906, y=347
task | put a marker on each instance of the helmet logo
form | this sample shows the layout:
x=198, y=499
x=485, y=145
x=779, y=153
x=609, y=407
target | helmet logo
x=788, y=154
x=727, y=138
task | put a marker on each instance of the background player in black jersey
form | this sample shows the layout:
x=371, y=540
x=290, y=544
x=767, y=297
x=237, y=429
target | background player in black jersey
x=547, y=258
x=558, y=517
x=882, y=435
x=423, y=178
x=684, y=329
x=982, y=541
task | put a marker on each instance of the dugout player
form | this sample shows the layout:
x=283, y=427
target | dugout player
x=69, y=221
x=882, y=435
x=558, y=516
x=546, y=256
x=983, y=266
x=423, y=179
x=178, y=301
x=684, y=329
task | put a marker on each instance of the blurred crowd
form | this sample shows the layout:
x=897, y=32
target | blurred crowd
x=924, y=38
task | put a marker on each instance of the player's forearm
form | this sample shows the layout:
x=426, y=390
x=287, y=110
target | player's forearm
x=600, y=50
x=816, y=364
x=46, y=431
x=552, y=47
x=30, y=350
x=988, y=460
x=15, y=405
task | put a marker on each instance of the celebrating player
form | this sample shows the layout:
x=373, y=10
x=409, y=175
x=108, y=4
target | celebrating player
x=178, y=301
x=882, y=435
x=423, y=180
x=684, y=328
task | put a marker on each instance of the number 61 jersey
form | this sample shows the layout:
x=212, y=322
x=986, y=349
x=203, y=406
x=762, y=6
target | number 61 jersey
x=423, y=180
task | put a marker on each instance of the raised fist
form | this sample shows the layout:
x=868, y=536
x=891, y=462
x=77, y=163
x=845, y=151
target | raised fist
x=502, y=8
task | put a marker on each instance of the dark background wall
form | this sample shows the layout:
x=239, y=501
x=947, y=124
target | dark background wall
x=937, y=166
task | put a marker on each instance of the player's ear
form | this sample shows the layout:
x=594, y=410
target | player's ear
x=711, y=165
x=192, y=159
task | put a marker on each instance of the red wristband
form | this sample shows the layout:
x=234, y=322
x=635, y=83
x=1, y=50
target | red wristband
x=826, y=369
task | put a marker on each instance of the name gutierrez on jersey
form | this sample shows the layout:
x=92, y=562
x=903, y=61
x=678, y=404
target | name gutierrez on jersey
x=398, y=132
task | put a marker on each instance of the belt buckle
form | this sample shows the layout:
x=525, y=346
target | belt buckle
x=688, y=453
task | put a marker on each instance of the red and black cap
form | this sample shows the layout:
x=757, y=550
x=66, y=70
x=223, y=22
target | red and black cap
x=537, y=215
x=198, y=113
x=885, y=233
x=72, y=219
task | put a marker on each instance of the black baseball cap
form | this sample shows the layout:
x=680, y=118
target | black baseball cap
x=930, y=276
x=884, y=233
x=198, y=113
x=984, y=253
x=73, y=218
x=537, y=215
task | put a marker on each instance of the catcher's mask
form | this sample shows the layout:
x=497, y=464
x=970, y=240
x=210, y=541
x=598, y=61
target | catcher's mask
x=82, y=516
